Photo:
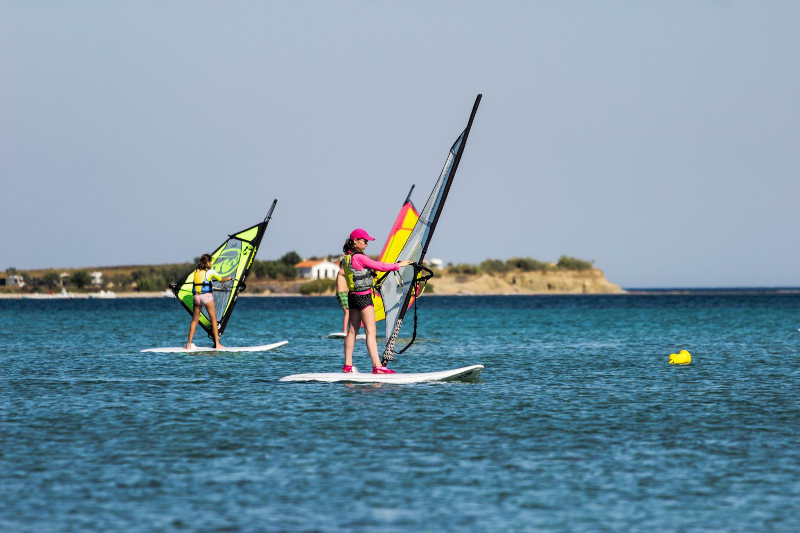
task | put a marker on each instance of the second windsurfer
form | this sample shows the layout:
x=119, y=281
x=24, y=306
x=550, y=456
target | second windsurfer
x=203, y=295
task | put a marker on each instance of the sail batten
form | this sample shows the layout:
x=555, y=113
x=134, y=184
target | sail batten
x=397, y=291
x=234, y=258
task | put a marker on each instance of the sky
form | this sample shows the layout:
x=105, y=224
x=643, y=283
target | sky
x=660, y=140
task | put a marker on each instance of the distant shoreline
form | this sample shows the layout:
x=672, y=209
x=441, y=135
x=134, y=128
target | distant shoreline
x=710, y=291
x=715, y=290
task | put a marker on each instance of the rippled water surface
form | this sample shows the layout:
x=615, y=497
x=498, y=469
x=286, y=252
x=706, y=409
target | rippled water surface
x=578, y=423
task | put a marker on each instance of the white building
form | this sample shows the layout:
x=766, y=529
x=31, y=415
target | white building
x=316, y=269
x=433, y=262
x=15, y=280
x=97, y=278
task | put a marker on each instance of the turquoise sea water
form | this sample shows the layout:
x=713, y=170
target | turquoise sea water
x=577, y=424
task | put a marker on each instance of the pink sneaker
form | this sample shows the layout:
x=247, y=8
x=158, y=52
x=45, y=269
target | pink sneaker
x=350, y=369
x=382, y=370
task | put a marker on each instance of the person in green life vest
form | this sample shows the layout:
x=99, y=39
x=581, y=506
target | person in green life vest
x=359, y=271
x=203, y=295
x=341, y=293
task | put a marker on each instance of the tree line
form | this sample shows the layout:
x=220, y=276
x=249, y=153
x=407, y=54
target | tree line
x=158, y=277
x=524, y=264
x=148, y=278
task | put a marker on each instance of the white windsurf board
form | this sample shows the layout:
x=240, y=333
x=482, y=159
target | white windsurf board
x=456, y=374
x=340, y=335
x=197, y=349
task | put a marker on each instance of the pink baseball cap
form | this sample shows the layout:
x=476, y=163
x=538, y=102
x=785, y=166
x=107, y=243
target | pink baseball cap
x=359, y=233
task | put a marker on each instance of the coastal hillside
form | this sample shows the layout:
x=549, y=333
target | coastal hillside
x=491, y=277
x=591, y=281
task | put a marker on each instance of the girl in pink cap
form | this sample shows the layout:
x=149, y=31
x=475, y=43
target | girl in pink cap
x=360, y=271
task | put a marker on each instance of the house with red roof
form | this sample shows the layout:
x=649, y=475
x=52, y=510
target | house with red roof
x=316, y=269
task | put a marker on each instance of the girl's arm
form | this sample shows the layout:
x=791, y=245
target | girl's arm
x=217, y=277
x=361, y=261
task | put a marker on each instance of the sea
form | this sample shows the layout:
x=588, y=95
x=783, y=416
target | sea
x=577, y=423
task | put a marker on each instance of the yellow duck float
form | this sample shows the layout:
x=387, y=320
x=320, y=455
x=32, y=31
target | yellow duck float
x=681, y=358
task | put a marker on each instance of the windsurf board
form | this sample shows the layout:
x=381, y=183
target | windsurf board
x=466, y=373
x=197, y=349
x=340, y=335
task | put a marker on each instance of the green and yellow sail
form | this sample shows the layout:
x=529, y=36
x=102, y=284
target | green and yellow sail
x=234, y=257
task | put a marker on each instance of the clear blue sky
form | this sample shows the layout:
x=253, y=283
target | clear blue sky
x=659, y=139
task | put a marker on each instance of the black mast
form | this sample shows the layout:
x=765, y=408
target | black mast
x=465, y=135
x=389, y=351
x=408, y=198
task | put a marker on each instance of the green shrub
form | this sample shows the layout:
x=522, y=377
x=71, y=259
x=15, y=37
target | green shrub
x=119, y=281
x=318, y=286
x=51, y=280
x=259, y=269
x=290, y=259
x=80, y=278
x=152, y=279
x=178, y=272
x=571, y=263
x=494, y=266
x=527, y=264
x=462, y=268
x=148, y=283
x=272, y=269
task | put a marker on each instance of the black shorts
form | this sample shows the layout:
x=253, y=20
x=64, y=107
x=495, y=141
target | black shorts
x=359, y=301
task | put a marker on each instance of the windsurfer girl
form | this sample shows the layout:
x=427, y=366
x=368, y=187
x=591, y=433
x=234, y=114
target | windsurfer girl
x=359, y=271
x=203, y=295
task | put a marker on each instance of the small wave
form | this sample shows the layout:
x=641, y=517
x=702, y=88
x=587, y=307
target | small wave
x=99, y=381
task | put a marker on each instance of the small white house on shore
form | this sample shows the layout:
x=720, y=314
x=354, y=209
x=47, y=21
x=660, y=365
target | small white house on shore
x=316, y=269
x=14, y=280
x=434, y=262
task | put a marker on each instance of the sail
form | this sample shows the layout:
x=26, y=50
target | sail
x=397, y=288
x=234, y=257
x=401, y=229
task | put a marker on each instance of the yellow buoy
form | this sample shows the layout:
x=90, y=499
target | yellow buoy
x=681, y=358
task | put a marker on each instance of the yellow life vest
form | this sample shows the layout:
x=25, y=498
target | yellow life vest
x=357, y=280
x=200, y=284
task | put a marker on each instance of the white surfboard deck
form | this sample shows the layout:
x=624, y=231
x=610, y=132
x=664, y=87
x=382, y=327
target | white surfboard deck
x=197, y=349
x=456, y=374
x=340, y=335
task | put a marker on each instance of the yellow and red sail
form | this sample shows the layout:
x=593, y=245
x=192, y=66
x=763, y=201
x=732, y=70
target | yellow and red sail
x=401, y=229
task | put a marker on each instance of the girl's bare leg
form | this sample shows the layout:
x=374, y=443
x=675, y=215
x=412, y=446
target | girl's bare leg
x=368, y=318
x=350, y=338
x=212, y=312
x=346, y=320
x=193, y=325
